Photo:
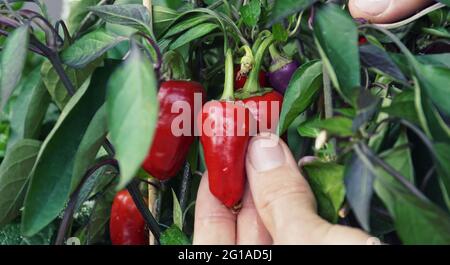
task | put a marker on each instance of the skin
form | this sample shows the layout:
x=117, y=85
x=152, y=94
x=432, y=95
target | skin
x=278, y=205
x=386, y=11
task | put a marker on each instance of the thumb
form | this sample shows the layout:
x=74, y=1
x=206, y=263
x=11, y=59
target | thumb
x=282, y=196
x=385, y=11
x=284, y=199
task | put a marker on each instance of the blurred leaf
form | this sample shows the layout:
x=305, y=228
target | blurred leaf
x=13, y=56
x=14, y=173
x=308, y=128
x=443, y=166
x=300, y=93
x=50, y=183
x=251, y=12
x=340, y=126
x=90, y=47
x=447, y=2
x=403, y=106
x=29, y=108
x=417, y=220
x=78, y=12
x=132, y=108
x=56, y=88
x=10, y=235
x=339, y=52
x=174, y=236
x=327, y=183
x=358, y=184
x=375, y=57
x=177, y=212
x=162, y=18
x=440, y=32
x=279, y=32
x=284, y=8
x=185, y=25
x=367, y=105
x=429, y=117
x=133, y=15
x=99, y=219
x=93, y=139
x=435, y=82
x=193, y=34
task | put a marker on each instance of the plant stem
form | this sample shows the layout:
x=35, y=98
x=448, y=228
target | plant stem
x=252, y=84
x=69, y=211
x=228, y=89
x=185, y=184
x=133, y=189
x=327, y=94
x=57, y=64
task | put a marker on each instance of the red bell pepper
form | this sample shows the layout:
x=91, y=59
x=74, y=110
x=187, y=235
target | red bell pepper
x=126, y=226
x=168, y=151
x=224, y=138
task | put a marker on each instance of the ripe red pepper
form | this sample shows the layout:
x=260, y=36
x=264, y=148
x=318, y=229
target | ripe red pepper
x=362, y=40
x=262, y=113
x=225, y=149
x=240, y=79
x=126, y=226
x=224, y=137
x=168, y=152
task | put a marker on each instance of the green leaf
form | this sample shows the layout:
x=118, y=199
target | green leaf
x=358, y=183
x=435, y=82
x=374, y=57
x=99, y=219
x=339, y=52
x=308, y=128
x=177, y=212
x=10, y=235
x=430, y=119
x=162, y=18
x=250, y=13
x=78, y=12
x=132, y=107
x=14, y=173
x=13, y=58
x=133, y=15
x=29, y=109
x=90, y=144
x=185, y=25
x=367, y=105
x=417, y=221
x=327, y=183
x=284, y=8
x=300, y=93
x=403, y=106
x=447, y=2
x=339, y=126
x=443, y=166
x=279, y=32
x=440, y=32
x=51, y=180
x=174, y=236
x=54, y=85
x=90, y=47
x=193, y=34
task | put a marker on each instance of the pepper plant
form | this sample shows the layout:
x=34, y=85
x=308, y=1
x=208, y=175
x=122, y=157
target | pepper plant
x=80, y=110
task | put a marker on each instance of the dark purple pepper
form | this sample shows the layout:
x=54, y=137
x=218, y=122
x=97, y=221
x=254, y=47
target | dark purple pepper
x=281, y=70
x=279, y=79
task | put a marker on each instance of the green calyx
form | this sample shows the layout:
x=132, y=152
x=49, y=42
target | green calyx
x=278, y=60
x=241, y=94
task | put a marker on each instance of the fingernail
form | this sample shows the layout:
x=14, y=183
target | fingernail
x=266, y=154
x=372, y=7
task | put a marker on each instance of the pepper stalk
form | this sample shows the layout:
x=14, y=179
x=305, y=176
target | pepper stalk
x=252, y=85
x=228, y=89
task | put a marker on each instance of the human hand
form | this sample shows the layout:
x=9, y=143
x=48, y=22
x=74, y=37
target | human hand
x=278, y=206
x=385, y=11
